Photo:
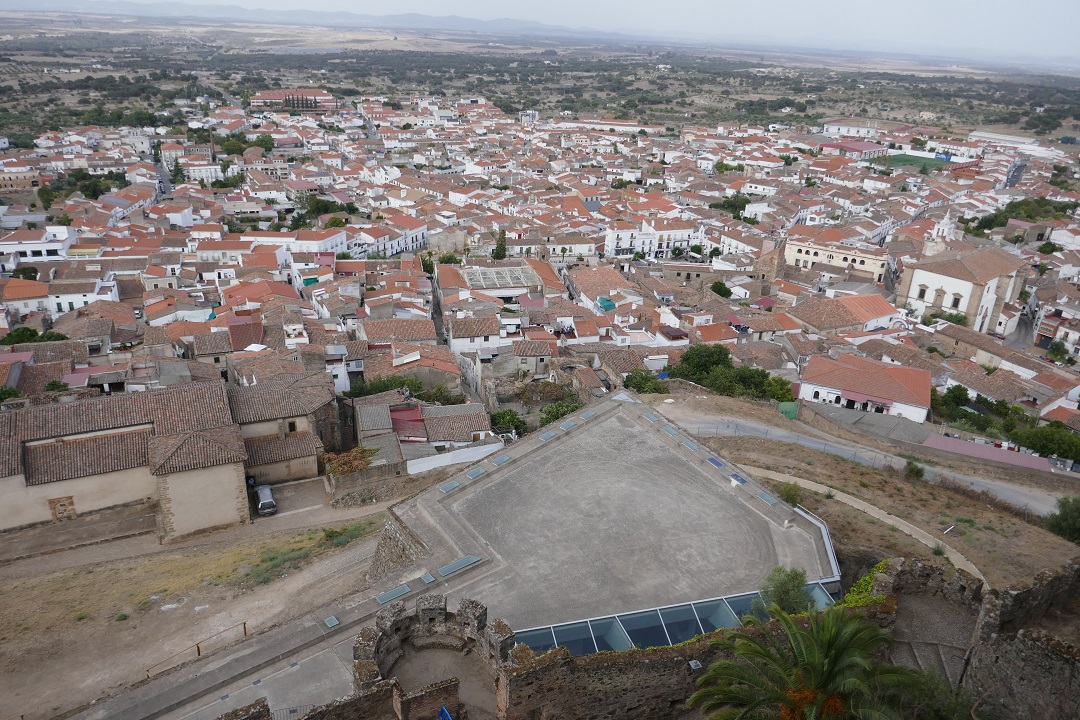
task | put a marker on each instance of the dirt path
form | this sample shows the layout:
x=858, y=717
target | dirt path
x=99, y=617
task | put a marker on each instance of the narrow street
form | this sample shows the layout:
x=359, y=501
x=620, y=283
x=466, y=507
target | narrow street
x=708, y=425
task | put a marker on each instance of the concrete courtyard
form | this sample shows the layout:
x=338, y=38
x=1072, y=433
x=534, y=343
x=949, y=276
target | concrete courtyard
x=613, y=515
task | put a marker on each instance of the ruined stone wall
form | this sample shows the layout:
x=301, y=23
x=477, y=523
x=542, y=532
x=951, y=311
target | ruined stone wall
x=376, y=703
x=1030, y=675
x=651, y=683
x=398, y=547
x=915, y=577
x=424, y=704
x=1008, y=610
x=257, y=710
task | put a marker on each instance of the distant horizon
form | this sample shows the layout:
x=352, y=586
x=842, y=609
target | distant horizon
x=1044, y=33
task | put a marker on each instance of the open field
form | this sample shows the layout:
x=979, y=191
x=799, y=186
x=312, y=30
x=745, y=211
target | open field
x=140, y=611
x=1005, y=548
x=41, y=54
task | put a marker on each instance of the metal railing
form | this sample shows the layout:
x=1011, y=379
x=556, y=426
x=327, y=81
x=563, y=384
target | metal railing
x=198, y=646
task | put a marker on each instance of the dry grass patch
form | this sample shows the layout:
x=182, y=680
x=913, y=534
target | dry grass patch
x=1005, y=548
x=129, y=587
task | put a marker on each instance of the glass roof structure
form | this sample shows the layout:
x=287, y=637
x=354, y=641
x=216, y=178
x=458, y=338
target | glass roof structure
x=656, y=627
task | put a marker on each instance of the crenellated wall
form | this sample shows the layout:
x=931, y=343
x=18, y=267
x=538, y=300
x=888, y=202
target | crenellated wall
x=1016, y=673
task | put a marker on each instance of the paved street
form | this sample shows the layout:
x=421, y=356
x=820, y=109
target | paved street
x=1022, y=337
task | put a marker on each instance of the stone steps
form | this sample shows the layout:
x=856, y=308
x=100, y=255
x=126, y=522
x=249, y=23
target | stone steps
x=929, y=657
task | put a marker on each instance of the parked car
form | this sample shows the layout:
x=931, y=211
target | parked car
x=264, y=500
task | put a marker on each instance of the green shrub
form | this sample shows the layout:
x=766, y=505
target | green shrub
x=861, y=593
x=791, y=493
x=643, y=381
x=1066, y=521
x=121, y=617
x=557, y=410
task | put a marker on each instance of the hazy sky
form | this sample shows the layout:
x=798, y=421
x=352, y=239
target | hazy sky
x=987, y=28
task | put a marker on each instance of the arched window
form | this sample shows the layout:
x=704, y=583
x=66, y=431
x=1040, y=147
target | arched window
x=817, y=394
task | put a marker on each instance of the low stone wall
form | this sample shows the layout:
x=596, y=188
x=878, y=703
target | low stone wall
x=915, y=577
x=398, y=547
x=651, y=683
x=369, y=487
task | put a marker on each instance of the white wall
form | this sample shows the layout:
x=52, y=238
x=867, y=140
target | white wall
x=463, y=455
x=27, y=504
x=827, y=395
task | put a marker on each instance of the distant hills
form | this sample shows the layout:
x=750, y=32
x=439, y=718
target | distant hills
x=404, y=21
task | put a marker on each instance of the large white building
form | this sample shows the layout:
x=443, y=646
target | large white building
x=977, y=283
x=869, y=385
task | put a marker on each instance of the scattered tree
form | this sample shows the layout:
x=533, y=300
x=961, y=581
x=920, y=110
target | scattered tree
x=823, y=668
x=1066, y=521
x=56, y=386
x=26, y=272
x=362, y=388
x=785, y=588
x=557, y=410
x=720, y=288
x=507, y=420
x=645, y=382
x=500, y=247
x=335, y=222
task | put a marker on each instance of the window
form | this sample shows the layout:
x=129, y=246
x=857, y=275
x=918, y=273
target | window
x=922, y=293
x=956, y=301
x=217, y=360
x=292, y=426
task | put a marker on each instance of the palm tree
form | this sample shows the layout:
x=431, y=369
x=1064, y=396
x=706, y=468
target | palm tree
x=819, y=670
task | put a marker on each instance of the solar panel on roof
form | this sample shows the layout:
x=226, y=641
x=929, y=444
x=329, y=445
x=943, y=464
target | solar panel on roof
x=738, y=478
x=651, y=418
x=458, y=564
x=568, y=424
x=690, y=444
x=547, y=436
x=715, y=462
x=587, y=414
x=449, y=486
x=767, y=498
x=670, y=430
x=501, y=460
x=392, y=594
x=475, y=473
